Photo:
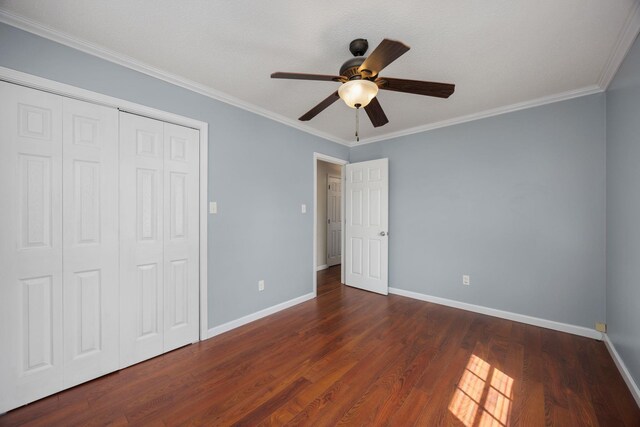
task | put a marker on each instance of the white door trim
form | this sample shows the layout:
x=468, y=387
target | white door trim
x=337, y=161
x=51, y=86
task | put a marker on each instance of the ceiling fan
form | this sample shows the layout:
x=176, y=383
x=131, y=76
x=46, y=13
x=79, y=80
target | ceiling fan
x=360, y=81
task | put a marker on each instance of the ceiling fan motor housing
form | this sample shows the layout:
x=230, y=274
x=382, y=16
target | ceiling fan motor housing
x=349, y=69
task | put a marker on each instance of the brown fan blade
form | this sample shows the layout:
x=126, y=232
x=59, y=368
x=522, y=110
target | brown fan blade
x=321, y=106
x=301, y=76
x=376, y=114
x=440, y=90
x=383, y=55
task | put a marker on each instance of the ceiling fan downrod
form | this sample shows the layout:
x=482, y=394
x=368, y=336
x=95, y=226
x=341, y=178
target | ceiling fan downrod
x=357, y=122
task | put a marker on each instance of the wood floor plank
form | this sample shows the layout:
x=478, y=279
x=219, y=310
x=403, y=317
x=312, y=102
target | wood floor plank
x=384, y=388
x=333, y=404
x=351, y=357
x=270, y=406
x=297, y=404
x=446, y=346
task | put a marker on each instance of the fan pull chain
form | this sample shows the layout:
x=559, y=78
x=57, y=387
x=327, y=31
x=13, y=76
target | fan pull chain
x=357, y=124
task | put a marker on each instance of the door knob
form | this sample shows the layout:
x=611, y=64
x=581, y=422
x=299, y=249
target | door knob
x=382, y=233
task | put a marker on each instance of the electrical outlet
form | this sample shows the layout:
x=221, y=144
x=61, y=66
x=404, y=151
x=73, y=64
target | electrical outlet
x=261, y=285
x=465, y=280
x=601, y=327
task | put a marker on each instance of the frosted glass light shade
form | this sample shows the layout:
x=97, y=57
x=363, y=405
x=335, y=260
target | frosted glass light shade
x=356, y=92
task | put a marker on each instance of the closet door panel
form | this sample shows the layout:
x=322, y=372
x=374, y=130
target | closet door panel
x=141, y=238
x=181, y=236
x=30, y=245
x=91, y=305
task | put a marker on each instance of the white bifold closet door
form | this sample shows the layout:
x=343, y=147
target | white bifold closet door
x=58, y=320
x=99, y=241
x=90, y=241
x=158, y=237
x=30, y=245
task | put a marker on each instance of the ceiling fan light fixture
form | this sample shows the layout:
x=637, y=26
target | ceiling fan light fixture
x=358, y=92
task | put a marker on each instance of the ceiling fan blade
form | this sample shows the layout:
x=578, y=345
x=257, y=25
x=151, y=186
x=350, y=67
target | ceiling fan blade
x=376, y=114
x=321, y=106
x=383, y=55
x=440, y=90
x=301, y=76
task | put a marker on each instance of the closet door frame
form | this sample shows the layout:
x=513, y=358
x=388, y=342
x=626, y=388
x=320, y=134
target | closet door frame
x=46, y=85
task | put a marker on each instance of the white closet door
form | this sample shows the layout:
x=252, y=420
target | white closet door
x=141, y=238
x=30, y=245
x=181, y=236
x=91, y=306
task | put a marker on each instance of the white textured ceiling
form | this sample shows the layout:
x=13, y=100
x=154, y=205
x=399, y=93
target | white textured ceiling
x=497, y=52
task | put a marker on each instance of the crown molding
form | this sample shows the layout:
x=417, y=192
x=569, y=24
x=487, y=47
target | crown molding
x=60, y=37
x=589, y=90
x=625, y=40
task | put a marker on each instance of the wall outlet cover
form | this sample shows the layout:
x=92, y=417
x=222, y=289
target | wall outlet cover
x=601, y=327
x=466, y=280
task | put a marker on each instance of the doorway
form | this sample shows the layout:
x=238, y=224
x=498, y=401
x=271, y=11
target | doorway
x=328, y=219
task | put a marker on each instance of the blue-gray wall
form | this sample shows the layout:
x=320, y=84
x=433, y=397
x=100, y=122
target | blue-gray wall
x=623, y=211
x=260, y=172
x=516, y=201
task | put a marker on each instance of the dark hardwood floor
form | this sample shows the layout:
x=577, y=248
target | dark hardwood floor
x=351, y=357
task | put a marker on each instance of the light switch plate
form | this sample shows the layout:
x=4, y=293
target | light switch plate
x=213, y=207
x=303, y=208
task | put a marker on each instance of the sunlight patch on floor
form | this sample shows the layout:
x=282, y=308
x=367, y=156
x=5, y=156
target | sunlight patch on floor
x=483, y=395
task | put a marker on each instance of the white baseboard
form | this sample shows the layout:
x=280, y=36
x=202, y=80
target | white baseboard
x=217, y=330
x=322, y=267
x=626, y=375
x=549, y=324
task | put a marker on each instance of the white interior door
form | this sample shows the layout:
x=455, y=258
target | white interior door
x=367, y=222
x=90, y=241
x=181, y=236
x=141, y=238
x=31, y=363
x=334, y=220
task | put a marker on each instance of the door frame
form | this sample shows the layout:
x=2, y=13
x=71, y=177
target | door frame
x=342, y=163
x=51, y=86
